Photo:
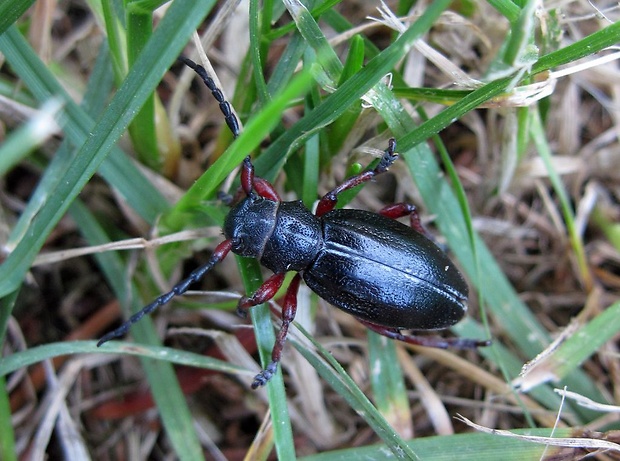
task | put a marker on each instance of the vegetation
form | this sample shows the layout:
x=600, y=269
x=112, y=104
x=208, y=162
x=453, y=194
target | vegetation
x=112, y=158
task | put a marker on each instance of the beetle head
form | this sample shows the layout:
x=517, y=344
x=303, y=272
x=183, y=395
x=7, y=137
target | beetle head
x=249, y=224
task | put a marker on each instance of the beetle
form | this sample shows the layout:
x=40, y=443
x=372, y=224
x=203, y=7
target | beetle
x=388, y=275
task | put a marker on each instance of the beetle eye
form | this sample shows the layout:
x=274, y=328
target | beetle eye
x=237, y=244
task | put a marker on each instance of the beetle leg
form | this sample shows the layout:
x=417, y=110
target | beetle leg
x=220, y=253
x=265, y=189
x=329, y=200
x=251, y=183
x=264, y=293
x=289, y=309
x=426, y=341
x=398, y=210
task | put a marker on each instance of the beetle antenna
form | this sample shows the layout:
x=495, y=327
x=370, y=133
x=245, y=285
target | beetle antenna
x=220, y=253
x=225, y=107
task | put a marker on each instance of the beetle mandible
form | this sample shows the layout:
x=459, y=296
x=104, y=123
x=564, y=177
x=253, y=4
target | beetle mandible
x=390, y=276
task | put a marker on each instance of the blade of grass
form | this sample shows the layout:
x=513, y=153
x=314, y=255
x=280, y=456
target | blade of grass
x=7, y=435
x=388, y=383
x=538, y=135
x=285, y=68
x=510, y=10
x=464, y=447
x=587, y=340
x=117, y=38
x=520, y=48
x=142, y=129
x=257, y=50
x=344, y=123
x=574, y=350
x=311, y=171
x=11, y=11
x=587, y=46
x=313, y=35
x=38, y=354
x=265, y=339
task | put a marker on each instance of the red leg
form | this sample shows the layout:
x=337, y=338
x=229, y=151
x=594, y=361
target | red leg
x=265, y=189
x=329, y=200
x=398, y=210
x=427, y=341
x=250, y=183
x=264, y=293
x=289, y=309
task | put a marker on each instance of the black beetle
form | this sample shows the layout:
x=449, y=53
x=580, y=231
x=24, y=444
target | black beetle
x=390, y=276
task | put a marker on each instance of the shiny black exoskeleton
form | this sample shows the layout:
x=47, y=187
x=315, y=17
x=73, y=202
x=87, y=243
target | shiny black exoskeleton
x=388, y=275
x=370, y=266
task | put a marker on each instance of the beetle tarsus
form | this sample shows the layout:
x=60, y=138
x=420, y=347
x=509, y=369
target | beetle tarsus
x=427, y=341
x=389, y=157
x=265, y=375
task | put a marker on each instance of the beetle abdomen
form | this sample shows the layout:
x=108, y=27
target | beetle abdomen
x=383, y=271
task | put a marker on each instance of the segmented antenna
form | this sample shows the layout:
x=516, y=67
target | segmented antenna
x=225, y=107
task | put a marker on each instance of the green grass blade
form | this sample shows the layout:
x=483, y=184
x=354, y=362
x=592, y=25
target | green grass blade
x=388, y=383
x=117, y=38
x=7, y=435
x=544, y=151
x=265, y=339
x=142, y=128
x=38, y=354
x=587, y=46
x=257, y=51
x=462, y=447
x=11, y=11
x=509, y=9
x=36, y=131
x=520, y=48
x=454, y=112
x=577, y=347
x=310, y=30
